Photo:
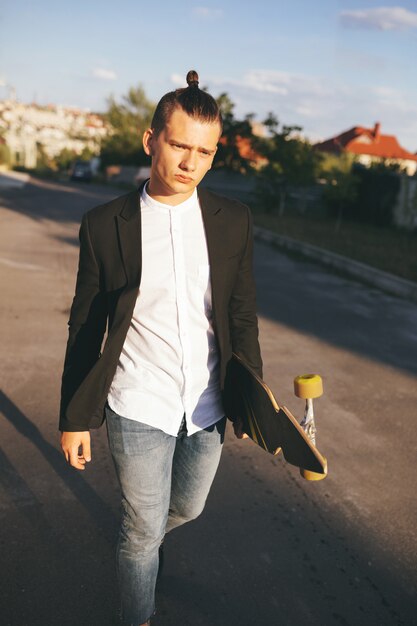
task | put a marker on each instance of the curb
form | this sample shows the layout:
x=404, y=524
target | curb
x=365, y=273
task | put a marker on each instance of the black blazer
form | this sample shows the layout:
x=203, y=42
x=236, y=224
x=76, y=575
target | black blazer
x=107, y=286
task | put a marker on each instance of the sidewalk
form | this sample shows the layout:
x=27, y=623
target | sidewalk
x=10, y=179
x=365, y=273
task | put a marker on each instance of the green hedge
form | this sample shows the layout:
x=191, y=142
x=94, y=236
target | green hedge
x=377, y=191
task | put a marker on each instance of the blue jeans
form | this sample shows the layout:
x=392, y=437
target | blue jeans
x=164, y=481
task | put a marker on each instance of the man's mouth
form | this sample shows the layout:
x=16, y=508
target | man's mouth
x=183, y=179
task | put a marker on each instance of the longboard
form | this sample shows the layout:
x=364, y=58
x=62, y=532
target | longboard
x=271, y=426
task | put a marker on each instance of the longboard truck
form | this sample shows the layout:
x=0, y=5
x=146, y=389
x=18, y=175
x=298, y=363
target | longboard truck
x=273, y=427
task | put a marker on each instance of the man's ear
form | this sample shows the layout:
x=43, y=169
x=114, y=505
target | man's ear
x=147, y=141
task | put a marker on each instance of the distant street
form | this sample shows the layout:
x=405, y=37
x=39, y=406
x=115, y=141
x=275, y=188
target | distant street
x=270, y=549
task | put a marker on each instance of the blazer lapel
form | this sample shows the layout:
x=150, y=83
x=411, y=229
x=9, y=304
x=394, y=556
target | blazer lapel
x=212, y=219
x=212, y=213
x=129, y=229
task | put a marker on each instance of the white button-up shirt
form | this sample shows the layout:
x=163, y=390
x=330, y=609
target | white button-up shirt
x=169, y=364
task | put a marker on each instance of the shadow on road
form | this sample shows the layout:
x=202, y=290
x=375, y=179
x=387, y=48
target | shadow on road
x=339, y=311
x=23, y=497
x=57, y=564
x=266, y=545
x=99, y=511
x=270, y=550
x=41, y=199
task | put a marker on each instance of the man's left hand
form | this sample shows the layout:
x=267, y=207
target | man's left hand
x=238, y=428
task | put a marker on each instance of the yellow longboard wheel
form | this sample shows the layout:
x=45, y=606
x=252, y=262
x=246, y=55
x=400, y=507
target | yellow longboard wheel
x=308, y=386
x=308, y=475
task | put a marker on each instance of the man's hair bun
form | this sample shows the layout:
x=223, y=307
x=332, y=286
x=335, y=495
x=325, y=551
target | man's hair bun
x=196, y=102
x=192, y=78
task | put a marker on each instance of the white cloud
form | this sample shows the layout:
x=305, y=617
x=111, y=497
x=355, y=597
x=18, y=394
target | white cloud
x=178, y=80
x=207, y=13
x=266, y=81
x=282, y=85
x=381, y=18
x=103, y=74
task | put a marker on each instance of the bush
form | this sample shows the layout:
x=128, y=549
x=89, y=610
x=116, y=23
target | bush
x=340, y=193
x=359, y=193
x=378, y=188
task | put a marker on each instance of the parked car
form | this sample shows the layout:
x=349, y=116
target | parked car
x=82, y=171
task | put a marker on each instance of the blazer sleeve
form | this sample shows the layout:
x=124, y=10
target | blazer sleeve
x=87, y=324
x=243, y=321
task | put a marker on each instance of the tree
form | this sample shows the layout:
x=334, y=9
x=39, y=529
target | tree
x=128, y=120
x=378, y=189
x=64, y=159
x=291, y=161
x=341, y=191
x=44, y=163
x=86, y=154
x=5, y=156
x=235, y=133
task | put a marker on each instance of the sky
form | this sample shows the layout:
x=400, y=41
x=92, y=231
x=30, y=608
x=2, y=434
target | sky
x=324, y=65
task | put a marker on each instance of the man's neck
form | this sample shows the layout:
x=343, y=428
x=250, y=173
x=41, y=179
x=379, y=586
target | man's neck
x=165, y=196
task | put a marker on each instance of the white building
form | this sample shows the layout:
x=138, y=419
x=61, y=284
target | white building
x=27, y=126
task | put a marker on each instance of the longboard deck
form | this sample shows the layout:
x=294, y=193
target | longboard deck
x=271, y=426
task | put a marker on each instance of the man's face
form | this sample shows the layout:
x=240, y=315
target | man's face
x=181, y=154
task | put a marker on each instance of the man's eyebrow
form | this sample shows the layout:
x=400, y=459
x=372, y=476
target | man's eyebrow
x=185, y=145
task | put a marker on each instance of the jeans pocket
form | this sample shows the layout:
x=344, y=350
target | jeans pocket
x=131, y=437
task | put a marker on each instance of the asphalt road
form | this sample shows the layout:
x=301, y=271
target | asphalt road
x=270, y=548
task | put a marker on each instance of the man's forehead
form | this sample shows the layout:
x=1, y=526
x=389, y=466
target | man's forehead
x=187, y=128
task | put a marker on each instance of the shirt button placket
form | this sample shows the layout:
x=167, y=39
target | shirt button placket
x=180, y=290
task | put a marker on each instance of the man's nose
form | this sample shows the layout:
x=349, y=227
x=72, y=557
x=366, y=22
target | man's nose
x=189, y=161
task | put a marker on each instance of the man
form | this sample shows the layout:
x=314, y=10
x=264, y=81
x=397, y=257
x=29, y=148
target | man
x=168, y=272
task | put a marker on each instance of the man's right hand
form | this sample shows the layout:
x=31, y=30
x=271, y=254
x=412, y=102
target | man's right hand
x=76, y=448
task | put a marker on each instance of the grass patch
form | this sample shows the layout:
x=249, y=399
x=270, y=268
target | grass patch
x=388, y=249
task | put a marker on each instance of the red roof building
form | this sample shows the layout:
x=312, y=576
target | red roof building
x=246, y=151
x=370, y=145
